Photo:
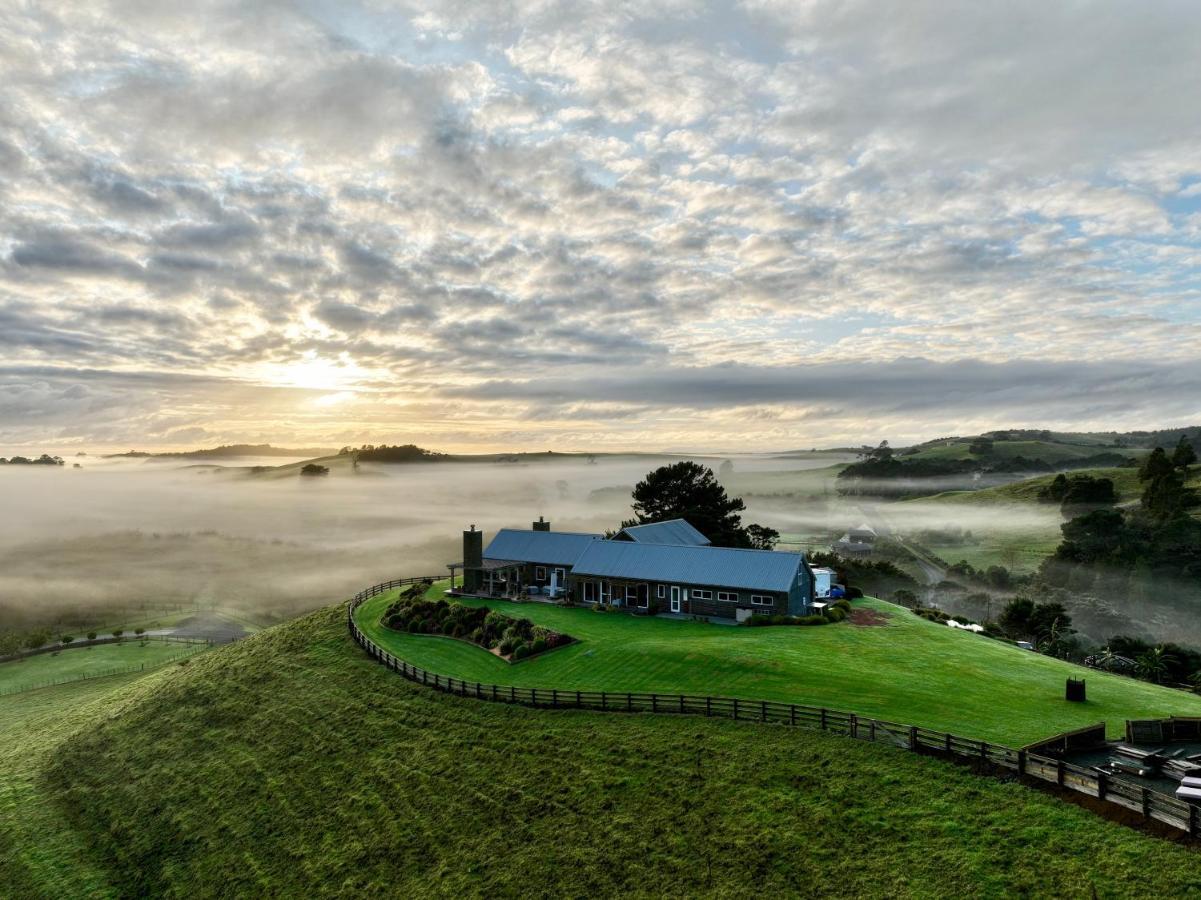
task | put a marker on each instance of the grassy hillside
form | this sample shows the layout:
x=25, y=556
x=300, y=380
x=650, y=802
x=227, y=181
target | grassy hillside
x=291, y=765
x=1020, y=549
x=1051, y=451
x=88, y=662
x=910, y=670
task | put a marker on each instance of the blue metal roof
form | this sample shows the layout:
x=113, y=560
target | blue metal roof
x=673, y=531
x=551, y=548
x=766, y=570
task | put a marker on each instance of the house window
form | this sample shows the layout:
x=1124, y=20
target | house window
x=761, y=600
x=702, y=595
x=727, y=596
x=540, y=573
x=606, y=592
x=589, y=591
x=661, y=591
x=631, y=594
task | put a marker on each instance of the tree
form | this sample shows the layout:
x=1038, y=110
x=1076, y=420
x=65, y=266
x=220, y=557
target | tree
x=1015, y=617
x=117, y=632
x=91, y=635
x=1166, y=497
x=1184, y=454
x=762, y=538
x=139, y=631
x=981, y=446
x=1154, y=664
x=1155, y=466
x=314, y=469
x=688, y=490
x=66, y=639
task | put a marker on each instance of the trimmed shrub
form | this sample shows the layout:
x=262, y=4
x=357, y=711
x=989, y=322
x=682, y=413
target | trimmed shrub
x=521, y=651
x=835, y=614
x=538, y=646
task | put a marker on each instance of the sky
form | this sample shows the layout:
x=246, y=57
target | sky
x=542, y=225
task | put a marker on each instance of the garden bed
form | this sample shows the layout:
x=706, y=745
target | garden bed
x=509, y=638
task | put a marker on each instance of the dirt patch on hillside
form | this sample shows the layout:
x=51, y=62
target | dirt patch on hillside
x=867, y=617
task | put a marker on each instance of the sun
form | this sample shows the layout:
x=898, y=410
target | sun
x=315, y=373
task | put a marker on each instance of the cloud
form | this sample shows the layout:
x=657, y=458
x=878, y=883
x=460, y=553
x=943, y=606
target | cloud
x=661, y=220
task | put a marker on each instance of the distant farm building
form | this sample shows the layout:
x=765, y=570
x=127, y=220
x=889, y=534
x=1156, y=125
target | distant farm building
x=857, y=542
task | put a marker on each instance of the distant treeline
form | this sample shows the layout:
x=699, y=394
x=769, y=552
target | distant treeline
x=225, y=450
x=44, y=460
x=402, y=453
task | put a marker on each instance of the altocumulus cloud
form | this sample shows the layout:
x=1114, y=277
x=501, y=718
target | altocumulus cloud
x=574, y=223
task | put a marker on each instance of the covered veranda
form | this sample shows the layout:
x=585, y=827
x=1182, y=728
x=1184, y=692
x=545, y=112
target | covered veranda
x=496, y=578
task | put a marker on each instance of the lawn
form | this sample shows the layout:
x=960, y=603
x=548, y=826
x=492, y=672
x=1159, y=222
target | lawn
x=1047, y=451
x=290, y=764
x=909, y=671
x=89, y=662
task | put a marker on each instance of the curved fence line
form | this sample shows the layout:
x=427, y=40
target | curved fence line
x=123, y=670
x=1090, y=782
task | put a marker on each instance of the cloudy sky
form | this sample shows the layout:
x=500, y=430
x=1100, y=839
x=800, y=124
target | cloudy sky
x=562, y=225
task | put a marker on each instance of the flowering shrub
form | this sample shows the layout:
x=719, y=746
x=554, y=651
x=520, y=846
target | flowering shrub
x=511, y=638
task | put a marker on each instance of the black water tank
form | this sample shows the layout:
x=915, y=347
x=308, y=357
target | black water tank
x=1075, y=690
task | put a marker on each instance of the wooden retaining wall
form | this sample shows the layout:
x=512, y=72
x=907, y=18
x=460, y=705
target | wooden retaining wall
x=1025, y=763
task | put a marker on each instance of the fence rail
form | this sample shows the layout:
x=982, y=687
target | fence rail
x=121, y=670
x=1090, y=782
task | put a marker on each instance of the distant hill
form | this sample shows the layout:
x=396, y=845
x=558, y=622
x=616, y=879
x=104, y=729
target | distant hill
x=227, y=451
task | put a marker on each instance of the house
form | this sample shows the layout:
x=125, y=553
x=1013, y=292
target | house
x=856, y=542
x=517, y=560
x=640, y=570
x=673, y=531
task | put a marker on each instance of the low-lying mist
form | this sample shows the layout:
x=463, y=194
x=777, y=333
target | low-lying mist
x=120, y=539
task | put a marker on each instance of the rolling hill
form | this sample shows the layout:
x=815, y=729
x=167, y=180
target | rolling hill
x=292, y=765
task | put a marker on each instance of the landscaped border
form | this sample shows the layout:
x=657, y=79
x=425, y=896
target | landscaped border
x=1151, y=804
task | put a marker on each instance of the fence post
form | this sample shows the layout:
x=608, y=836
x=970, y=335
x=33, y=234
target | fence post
x=792, y=714
x=512, y=695
x=1021, y=762
x=604, y=701
x=554, y=698
x=654, y=702
x=579, y=699
x=872, y=731
x=629, y=702
x=1147, y=802
x=534, y=696
x=1194, y=820
x=823, y=718
x=912, y=737
x=1102, y=778
x=946, y=739
x=854, y=724
x=494, y=693
x=681, y=702
x=983, y=751
x=735, y=709
x=763, y=711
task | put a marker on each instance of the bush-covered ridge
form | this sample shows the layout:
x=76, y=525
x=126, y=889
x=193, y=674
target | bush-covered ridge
x=509, y=638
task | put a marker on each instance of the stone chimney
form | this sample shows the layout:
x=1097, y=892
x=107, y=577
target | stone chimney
x=541, y=525
x=473, y=558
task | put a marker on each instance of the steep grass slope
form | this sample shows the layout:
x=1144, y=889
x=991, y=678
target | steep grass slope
x=291, y=765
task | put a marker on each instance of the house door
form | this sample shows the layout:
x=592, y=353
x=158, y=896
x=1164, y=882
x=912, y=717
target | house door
x=675, y=599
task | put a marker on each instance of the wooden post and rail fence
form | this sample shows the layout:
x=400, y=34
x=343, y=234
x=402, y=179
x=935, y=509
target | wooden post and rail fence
x=1025, y=763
